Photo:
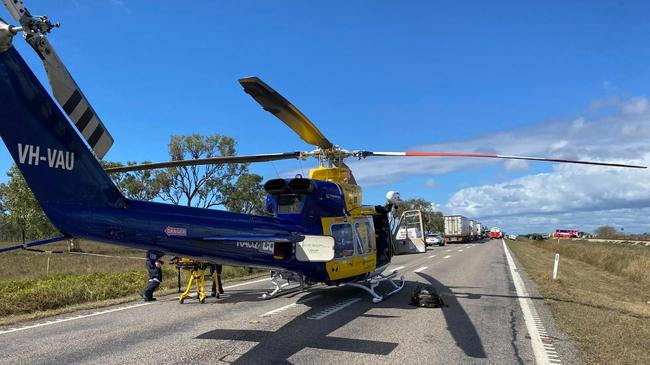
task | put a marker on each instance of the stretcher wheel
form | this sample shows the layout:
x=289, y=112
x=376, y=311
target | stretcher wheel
x=202, y=300
x=181, y=300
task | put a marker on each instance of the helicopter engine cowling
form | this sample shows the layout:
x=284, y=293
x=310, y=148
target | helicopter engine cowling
x=304, y=201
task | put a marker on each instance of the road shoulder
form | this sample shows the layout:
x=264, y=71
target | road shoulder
x=562, y=343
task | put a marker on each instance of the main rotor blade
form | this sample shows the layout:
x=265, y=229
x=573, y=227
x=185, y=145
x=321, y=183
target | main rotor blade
x=277, y=105
x=208, y=161
x=484, y=155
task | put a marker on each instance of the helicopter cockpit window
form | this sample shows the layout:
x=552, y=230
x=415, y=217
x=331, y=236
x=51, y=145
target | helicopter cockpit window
x=365, y=240
x=290, y=204
x=344, y=240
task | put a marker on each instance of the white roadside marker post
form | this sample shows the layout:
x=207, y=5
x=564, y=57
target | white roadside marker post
x=556, y=262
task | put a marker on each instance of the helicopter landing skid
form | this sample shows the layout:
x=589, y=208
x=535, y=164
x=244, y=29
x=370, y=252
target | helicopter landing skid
x=277, y=278
x=370, y=284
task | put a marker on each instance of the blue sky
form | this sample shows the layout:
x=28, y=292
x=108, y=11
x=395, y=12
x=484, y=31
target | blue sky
x=510, y=77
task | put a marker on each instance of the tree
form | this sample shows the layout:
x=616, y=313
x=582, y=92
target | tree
x=140, y=185
x=432, y=220
x=606, y=232
x=204, y=186
x=247, y=195
x=21, y=209
x=8, y=231
x=199, y=186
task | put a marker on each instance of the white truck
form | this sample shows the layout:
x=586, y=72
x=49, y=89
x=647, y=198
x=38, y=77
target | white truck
x=478, y=231
x=472, y=229
x=457, y=229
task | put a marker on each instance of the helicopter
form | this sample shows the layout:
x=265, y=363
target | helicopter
x=319, y=230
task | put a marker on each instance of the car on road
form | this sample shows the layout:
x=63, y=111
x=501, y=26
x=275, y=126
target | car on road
x=434, y=239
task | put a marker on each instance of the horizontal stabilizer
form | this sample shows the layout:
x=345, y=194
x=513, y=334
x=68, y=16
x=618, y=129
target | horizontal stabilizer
x=32, y=244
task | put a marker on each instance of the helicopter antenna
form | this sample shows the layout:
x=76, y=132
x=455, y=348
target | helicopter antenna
x=302, y=172
x=276, y=170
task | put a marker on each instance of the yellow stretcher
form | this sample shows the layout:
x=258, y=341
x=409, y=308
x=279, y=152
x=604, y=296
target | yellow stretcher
x=196, y=271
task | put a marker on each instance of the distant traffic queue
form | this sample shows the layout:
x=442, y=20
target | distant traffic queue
x=462, y=229
x=568, y=233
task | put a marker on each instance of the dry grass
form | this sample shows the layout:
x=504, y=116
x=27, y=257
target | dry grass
x=17, y=265
x=630, y=261
x=595, y=300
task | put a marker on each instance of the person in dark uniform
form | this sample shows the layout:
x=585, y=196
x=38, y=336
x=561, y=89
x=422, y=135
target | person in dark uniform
x=216, y=268
x=154, y=267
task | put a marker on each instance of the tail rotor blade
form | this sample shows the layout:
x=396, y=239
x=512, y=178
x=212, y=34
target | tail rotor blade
x=17, y=10
x=71, y=98
x=364, y=154
x=65, y=89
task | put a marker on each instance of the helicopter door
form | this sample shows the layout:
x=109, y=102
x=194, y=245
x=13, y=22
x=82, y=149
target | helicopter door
x=409, y=237
x=354, y=246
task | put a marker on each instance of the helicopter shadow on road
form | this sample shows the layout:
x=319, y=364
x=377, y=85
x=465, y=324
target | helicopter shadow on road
x=459, y=324
x=301, y=332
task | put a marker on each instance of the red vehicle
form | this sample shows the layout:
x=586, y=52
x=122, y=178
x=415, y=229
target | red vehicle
x=495, y=232
x=567, y=233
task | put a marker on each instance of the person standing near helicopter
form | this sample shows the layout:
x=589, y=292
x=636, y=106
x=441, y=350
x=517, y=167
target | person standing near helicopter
x=154, y=269
x=215, y=272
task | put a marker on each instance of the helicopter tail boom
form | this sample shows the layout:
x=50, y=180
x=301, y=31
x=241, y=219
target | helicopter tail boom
x=55, y=162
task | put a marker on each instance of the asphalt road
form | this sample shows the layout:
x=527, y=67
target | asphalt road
x=482, y=322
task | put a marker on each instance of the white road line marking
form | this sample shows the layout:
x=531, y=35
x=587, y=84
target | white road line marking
x=432, y=256
x=397, y=268
x=246, y=283
x=461, y=250
x=420, y=269
x=73, y=318
x=527, y=309
x=269, y=313
x=446, y=257
x=281, y=309
x=333, y=309
x=82, y=316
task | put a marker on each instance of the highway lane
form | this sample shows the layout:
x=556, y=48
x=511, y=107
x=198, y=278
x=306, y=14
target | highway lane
x=481, y=323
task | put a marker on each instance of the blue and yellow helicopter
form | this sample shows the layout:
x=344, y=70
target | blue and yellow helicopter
x=319, y=232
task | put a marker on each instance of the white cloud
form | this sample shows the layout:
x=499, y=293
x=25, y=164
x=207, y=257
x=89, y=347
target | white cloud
x=621, y=137
x=571, y=196
x=516, y=165
x=566, y=189
x=637, y=105
x=575, y=196
x=122, y=5
x=430, y=184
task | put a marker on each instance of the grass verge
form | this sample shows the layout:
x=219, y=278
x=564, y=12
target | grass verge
x=36, y=285
x=601, y=298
